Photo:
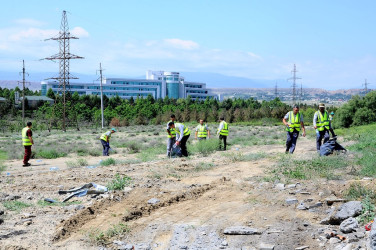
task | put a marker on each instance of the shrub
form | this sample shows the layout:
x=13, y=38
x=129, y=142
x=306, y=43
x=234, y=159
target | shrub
x=204, y=147
x=119, y=182
x=50, y=154
x=108, y=162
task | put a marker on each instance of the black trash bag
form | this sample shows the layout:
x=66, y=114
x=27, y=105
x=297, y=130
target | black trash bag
x=176, y=151
x=330, y=146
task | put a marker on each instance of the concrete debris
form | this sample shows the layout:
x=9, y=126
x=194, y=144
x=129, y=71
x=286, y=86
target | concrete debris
x=349, y=225
x=347, y=210
x=280, y=186
x=291, y=201
x=330, y=200
x=239, y=230
x=264, y=246
x=372, y=236
x=153, y=201
x=302, y=247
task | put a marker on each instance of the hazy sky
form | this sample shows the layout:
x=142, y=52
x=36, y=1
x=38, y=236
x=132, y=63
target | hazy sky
x=332, y=42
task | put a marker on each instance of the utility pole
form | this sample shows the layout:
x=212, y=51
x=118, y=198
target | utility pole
x=101, y=79
x=294, y=78
x=64, y=56
x=23, y=90
x=301, y=92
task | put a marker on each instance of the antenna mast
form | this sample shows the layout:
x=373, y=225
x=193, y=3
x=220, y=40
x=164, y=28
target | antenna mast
x=64, y=56
x=294, y=78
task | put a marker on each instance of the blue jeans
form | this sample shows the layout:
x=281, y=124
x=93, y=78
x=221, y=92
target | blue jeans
x=292, y=138
x=170, y=143
x=106, y=147
x=322, y=134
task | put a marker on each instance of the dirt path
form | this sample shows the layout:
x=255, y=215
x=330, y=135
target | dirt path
x=194, y=208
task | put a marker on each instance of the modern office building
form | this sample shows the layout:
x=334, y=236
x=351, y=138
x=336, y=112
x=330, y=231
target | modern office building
x=159, y=84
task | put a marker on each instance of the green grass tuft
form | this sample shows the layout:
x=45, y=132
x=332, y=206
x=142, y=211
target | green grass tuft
x=119, y=182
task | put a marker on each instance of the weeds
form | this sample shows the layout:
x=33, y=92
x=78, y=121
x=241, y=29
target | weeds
x=356, y=191
x=15, y=205
x=203, y=166
x=78, y=163
x=50, y=154
x=235, y=157
x=43, y=203
x=100, y=237
x=108, y=162
x=204, y=147
x=323, y=167
x=368, y=212
x=119, y=182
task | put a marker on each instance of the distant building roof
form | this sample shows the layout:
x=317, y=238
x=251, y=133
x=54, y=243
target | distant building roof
x=37, y=98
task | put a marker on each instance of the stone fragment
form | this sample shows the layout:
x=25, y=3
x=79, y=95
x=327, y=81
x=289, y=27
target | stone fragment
x=291, y=201
x=153, y=201
x=239, y=230
x=334, y=240
x=349, y=225
x=280, y=186
x=1, y=221
x=1, y=212
x=348, y=247
x=291, y=186
x=248, y=248
x=302, y=206
x=330, y=200
x=372, y=236
x=347, y=210
x=317, y=204
x=302, y=247
x=224, y=243
x=264, y=246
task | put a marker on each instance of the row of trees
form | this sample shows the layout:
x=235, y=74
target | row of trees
x=85, y=110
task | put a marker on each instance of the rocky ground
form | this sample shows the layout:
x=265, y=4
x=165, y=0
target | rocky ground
x=211, y=202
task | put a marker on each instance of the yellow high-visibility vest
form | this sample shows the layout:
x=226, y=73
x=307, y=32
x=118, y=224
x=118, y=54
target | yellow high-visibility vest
x=322, y=121
x=202, y=131
x=224, y=130
x=104, y=137
x=25, y=139
x=294, y=122
x=186, y=129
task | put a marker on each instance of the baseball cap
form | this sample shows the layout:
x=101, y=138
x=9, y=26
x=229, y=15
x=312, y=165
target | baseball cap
x=321, y=105
x=113, y=129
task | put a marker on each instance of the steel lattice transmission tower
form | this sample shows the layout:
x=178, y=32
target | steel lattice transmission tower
x=64, y=56
x=294, y=78
x=366, y=86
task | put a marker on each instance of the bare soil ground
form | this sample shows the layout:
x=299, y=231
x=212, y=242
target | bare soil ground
x=196, y=204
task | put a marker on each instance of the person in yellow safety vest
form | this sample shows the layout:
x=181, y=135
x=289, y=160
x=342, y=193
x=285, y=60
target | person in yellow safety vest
x=202, y=131
x=322, y=124
x=293, y=121
x=27, y=142
x=105, y=140
x=183, y=133
x=171, y=135
x=223, y=133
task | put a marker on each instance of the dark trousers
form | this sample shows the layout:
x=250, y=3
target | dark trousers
x=332, y=132
x=292, y=138
x=183, y=145
x=27, y=154
x=319, y=136
x=224, y=138
x=106, y=147
x=170, y=143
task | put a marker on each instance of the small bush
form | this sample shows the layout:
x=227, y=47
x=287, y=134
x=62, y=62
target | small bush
x=15, y=205
x=108, y=162
x=78, y=163
x=204, y=147
x=50, y=154
x=204, y=166
x=119, y=182
x=356, y=191
x=100, y=237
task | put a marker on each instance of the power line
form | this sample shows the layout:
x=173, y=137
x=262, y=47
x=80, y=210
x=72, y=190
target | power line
x=64, y=56
x=294, y=78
